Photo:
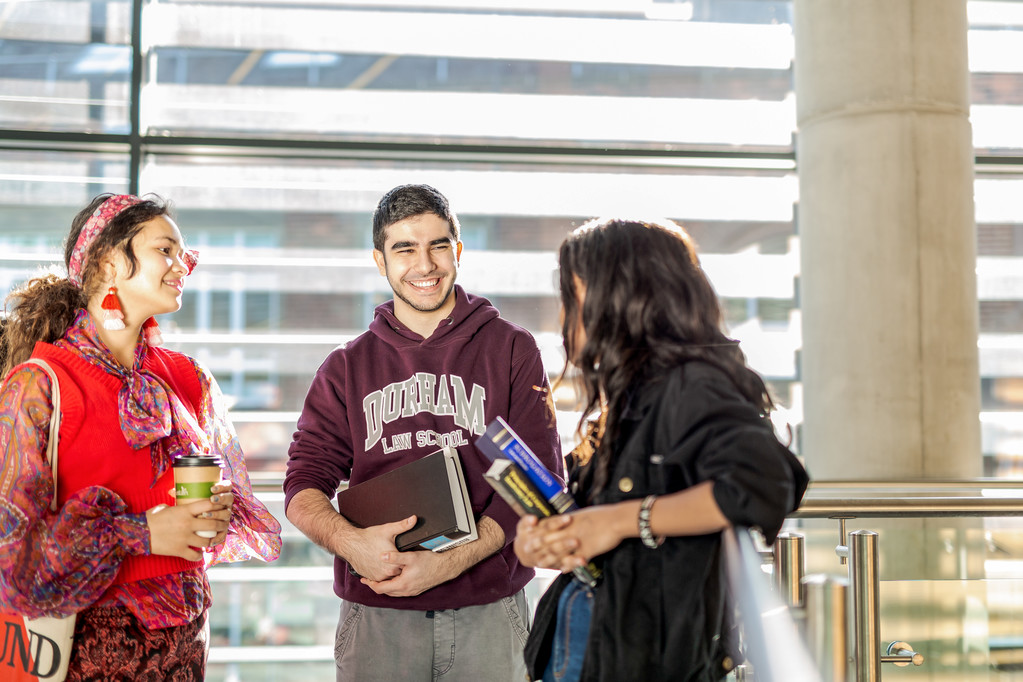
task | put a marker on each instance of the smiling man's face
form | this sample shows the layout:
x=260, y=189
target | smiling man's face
x=420, y=261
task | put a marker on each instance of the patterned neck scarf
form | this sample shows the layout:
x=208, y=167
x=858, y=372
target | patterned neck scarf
x=149, y=411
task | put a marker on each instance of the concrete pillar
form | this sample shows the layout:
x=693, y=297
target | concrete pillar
x=887, y=238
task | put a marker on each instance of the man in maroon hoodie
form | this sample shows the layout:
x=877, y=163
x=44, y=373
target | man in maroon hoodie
x=436, y=366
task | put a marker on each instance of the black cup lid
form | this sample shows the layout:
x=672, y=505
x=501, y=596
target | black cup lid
x=197, y=461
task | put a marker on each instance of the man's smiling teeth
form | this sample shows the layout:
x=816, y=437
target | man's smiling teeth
x=425, y=284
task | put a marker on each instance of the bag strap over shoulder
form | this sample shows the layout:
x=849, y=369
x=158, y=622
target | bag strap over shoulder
x=54, y=438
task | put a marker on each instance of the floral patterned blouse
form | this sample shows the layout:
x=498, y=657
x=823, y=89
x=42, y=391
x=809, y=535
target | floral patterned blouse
x=55, y=563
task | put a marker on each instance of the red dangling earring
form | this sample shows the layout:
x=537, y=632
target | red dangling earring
x=151, y=330
x=113, y=317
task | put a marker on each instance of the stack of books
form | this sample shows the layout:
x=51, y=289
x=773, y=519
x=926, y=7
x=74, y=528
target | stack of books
x=522, y=480
x=432, y=487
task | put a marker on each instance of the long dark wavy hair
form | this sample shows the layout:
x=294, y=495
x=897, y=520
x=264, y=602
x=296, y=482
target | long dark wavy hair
x=648, y=307
x=44, y=307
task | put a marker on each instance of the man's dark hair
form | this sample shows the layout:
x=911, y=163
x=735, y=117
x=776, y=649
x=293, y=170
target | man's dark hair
x=406, y=201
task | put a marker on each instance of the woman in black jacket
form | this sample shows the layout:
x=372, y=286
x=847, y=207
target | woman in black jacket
x=682, y=449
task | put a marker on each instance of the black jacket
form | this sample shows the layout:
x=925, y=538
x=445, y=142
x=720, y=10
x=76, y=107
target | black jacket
x=662, y=614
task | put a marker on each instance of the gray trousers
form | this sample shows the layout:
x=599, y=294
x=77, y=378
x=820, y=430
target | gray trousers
x=470, y=644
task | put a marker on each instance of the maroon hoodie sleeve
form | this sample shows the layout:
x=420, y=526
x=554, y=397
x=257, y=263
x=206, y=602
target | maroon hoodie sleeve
x=531, y=410
x=320, y=455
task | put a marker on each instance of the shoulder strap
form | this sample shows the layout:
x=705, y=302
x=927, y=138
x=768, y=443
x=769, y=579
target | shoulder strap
x=54, y=438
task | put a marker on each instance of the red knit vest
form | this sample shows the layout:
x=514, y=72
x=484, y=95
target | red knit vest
x=93, y=452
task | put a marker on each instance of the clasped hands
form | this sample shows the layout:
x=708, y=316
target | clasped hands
x=385, y=570
x=186, y=530
x=566, y=541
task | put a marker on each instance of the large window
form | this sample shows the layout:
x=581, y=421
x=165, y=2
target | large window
x=274, y=129
x=996, y=68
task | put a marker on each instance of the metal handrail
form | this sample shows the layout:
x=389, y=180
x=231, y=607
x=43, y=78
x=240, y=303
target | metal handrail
x=912, y=498
x=844, y=500
x=921, y=484
x=906, y=507
x=865, y=499
x=772, y=640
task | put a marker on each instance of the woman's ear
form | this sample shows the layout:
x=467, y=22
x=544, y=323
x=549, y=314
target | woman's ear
x=107, y=270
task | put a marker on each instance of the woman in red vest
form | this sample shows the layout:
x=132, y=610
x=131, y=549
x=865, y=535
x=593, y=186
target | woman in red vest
x=117, y=551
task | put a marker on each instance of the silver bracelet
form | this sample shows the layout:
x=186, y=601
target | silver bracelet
x=645, y=534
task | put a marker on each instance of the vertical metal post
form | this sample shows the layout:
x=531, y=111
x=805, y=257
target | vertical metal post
x=827, y=626
x=865, y=581
x=135, y=99
x=789, y=568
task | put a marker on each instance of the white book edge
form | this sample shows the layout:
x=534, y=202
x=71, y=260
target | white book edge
x=464, y=510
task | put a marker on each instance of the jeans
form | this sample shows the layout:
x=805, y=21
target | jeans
x=575, y=609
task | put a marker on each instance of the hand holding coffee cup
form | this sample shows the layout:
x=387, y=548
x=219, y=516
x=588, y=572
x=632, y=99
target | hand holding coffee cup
x=172, y=529
x=194, y=479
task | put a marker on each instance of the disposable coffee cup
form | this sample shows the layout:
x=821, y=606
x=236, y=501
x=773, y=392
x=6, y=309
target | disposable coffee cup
x=194, y=478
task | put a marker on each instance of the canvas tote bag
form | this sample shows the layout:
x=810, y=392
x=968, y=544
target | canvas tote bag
x=39, y=648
